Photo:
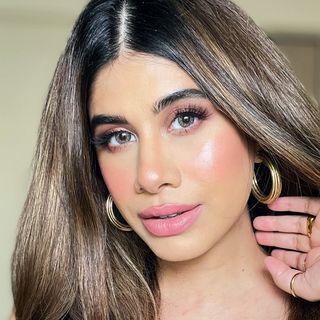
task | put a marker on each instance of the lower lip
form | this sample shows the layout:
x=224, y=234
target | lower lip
x=172, y=226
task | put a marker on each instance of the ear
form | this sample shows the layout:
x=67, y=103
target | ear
x=257, y=158
x=257, y=151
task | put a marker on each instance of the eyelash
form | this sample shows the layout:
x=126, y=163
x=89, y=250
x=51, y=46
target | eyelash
x=192, y=111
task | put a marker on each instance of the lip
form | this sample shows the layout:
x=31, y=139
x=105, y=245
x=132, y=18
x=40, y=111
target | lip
x=170, y=226
x=165, y=209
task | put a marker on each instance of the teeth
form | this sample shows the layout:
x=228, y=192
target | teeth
x=170, y=216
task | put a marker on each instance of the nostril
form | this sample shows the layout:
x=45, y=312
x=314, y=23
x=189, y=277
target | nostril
x=138, y=188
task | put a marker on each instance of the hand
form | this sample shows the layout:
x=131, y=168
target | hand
x=297, y=252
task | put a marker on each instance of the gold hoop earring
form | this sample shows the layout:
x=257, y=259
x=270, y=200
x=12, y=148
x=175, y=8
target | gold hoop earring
x=112, y=217
x=276, y=182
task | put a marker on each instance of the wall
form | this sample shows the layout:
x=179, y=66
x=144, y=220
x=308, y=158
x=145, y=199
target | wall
x=32, y=36
x=31, y=40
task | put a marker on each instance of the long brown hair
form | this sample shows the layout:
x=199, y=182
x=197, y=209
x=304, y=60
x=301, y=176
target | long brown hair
x=69, y=262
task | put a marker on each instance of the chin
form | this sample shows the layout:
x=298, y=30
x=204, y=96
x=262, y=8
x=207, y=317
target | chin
x=178, y=250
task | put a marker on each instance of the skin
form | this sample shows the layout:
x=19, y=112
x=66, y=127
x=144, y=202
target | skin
x=218, y=256
x=280, y=264
x=198, y=276
x=205, y=268
x=296, y=252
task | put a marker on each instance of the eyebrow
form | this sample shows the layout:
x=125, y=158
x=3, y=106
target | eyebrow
x=157, y=107
x=175, y=96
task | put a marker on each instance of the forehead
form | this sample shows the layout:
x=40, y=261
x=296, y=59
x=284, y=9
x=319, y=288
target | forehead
x=136, y=79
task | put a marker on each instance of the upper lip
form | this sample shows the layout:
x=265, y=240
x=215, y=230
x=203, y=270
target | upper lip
x=165, y=210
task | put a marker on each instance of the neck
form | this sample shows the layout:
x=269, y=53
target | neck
x=233, y=269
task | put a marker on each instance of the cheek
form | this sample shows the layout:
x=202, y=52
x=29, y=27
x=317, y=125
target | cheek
x=205, y=159
x=114, y=176
x=221, y=158
x=232, y=158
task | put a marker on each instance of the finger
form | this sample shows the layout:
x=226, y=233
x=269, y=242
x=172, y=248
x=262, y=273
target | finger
x=282, y=275
x=315, y=233
x=290, y=224
x=293, y=259
x=313, y=258
x=289, y=241
x=307, y=205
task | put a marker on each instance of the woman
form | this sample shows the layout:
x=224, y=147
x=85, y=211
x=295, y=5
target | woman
x=156, y=117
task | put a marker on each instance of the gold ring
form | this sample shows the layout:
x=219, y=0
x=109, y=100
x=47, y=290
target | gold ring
x=292, y=283
x=310, y=221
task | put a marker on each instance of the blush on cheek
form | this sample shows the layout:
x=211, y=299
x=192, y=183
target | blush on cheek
x=118, y=181
x=205, y=158
x=199, y=162
x=233, y=156
x=223, y=156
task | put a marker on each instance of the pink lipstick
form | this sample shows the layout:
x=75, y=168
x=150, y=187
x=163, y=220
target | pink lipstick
x=169, y=219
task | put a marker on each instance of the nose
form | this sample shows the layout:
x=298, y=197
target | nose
x=156, y=168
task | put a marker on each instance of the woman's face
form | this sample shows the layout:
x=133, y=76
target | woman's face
x=164, y=149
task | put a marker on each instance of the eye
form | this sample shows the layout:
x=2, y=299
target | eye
x=120, y=137
x=184, y=121
x=114, y=140
x=188, y=117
